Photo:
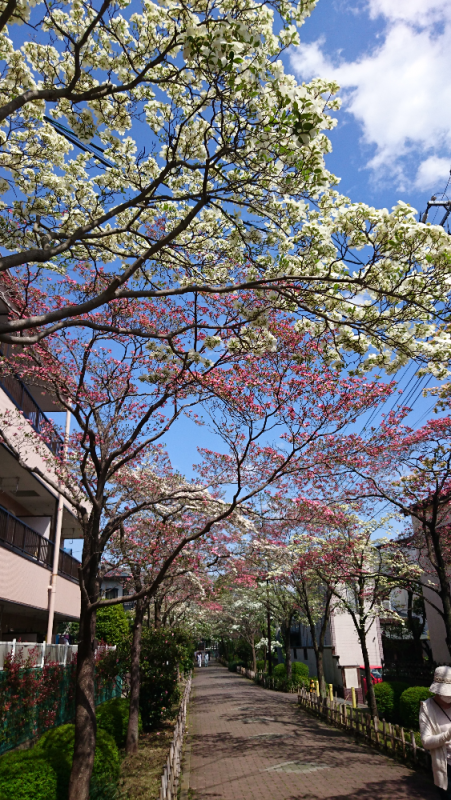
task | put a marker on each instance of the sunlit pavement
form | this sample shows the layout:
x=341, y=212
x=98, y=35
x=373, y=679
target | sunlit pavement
x=247, y=742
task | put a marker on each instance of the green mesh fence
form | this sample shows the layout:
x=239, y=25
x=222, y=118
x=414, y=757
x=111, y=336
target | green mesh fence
x=33, y=700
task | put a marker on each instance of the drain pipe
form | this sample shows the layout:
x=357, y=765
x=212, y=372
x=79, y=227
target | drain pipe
x=56, y=552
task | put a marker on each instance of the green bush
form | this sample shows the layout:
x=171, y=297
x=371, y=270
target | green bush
x=112, y=717
x=232, y=665
x=409, y=705
x=112, y=625
x=57, y=746
x=299, y=670
x=279, y=671
x=388, y=694
x=260, y=665
x=162, y=651
x=23, y=776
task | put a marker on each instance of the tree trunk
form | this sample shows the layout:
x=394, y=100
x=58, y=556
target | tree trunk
x=254, y=656
x=157, y=613
x=131, y=745
x=85, y=710
x=369, y=682
x=287, y=646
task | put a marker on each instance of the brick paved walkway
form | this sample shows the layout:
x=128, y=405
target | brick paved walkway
x=248, y=743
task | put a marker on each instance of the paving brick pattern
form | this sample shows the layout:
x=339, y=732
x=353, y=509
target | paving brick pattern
x=248, y=743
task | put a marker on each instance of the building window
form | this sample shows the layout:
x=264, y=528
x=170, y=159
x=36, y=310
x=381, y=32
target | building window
x=305, y=654
x=110, y=594
x=294, y=654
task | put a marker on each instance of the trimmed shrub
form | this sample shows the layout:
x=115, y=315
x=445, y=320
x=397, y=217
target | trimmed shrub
x=299, y=670
x=57, y=747
x=260, y=665
x=112, y=717
x=388, y=694
x=409, y=705
x=23, y=776
x=232, y=665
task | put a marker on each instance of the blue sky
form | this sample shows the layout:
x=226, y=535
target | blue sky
x=392, y=59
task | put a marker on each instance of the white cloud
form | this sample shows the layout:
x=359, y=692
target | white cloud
x=399, y=92
x=432, y=172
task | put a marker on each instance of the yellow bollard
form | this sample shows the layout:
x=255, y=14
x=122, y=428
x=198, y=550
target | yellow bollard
x=331, y=692
x=317, y=687
x=354, y=701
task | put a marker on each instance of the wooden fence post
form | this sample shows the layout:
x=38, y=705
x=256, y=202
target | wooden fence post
x=414, y=746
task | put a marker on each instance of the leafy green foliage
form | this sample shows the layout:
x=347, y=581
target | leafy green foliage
x=409, y=705
x=43, y=772
x=56, y=748
x=112, y=625
x=388, y=694
x=232, y=665
x=279, y=671
x=260, y=665
x=112, y=717
x=163, y=650
x=23, y=776
x=299, y=670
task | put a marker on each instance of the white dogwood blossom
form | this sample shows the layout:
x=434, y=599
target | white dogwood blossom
x=160, y=151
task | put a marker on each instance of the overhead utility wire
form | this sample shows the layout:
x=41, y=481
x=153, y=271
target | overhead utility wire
x=73, y=139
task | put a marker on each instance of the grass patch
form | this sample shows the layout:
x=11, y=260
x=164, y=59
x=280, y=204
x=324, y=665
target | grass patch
x=141, y=774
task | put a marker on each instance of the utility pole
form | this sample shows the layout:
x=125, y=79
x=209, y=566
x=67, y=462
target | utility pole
x=436, y=202
x=57, y=543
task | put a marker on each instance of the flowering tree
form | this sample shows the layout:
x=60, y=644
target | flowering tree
x=361, y=573
x=143, y=548
x=198, y=172
x=267, y=408
x=242, y=615
x=294, y=557
x=411, y=469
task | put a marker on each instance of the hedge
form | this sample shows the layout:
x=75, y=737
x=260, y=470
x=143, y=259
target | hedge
x=388, y=694
x=23, y=776
x=409, y=705
x=43, y=772
x=298, y=670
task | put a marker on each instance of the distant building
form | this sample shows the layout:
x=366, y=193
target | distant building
x=343, y=660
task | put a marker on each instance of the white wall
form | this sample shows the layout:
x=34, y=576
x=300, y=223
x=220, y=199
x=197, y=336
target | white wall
x=346, y=641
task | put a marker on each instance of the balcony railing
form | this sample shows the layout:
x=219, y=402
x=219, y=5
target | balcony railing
x=21, y=397
x=19, y=537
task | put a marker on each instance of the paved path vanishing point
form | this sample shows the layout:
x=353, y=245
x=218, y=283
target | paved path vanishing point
x=248, y=743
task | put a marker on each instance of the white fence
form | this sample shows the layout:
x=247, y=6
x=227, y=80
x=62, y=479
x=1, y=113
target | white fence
x=41, y=654
x=171, y=772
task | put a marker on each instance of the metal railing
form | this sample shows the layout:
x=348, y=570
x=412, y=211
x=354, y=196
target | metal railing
x=21, y=397
x=41, y=654
x=172, y=769
x=19, y=537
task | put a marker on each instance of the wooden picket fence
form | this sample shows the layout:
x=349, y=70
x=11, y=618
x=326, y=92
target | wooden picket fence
x=391, y=739
x=171, y=772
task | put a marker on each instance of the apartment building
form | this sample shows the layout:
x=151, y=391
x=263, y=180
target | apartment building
x=28, y=514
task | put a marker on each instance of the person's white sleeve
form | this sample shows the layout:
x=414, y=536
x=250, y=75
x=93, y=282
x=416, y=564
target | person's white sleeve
x=432, y=740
